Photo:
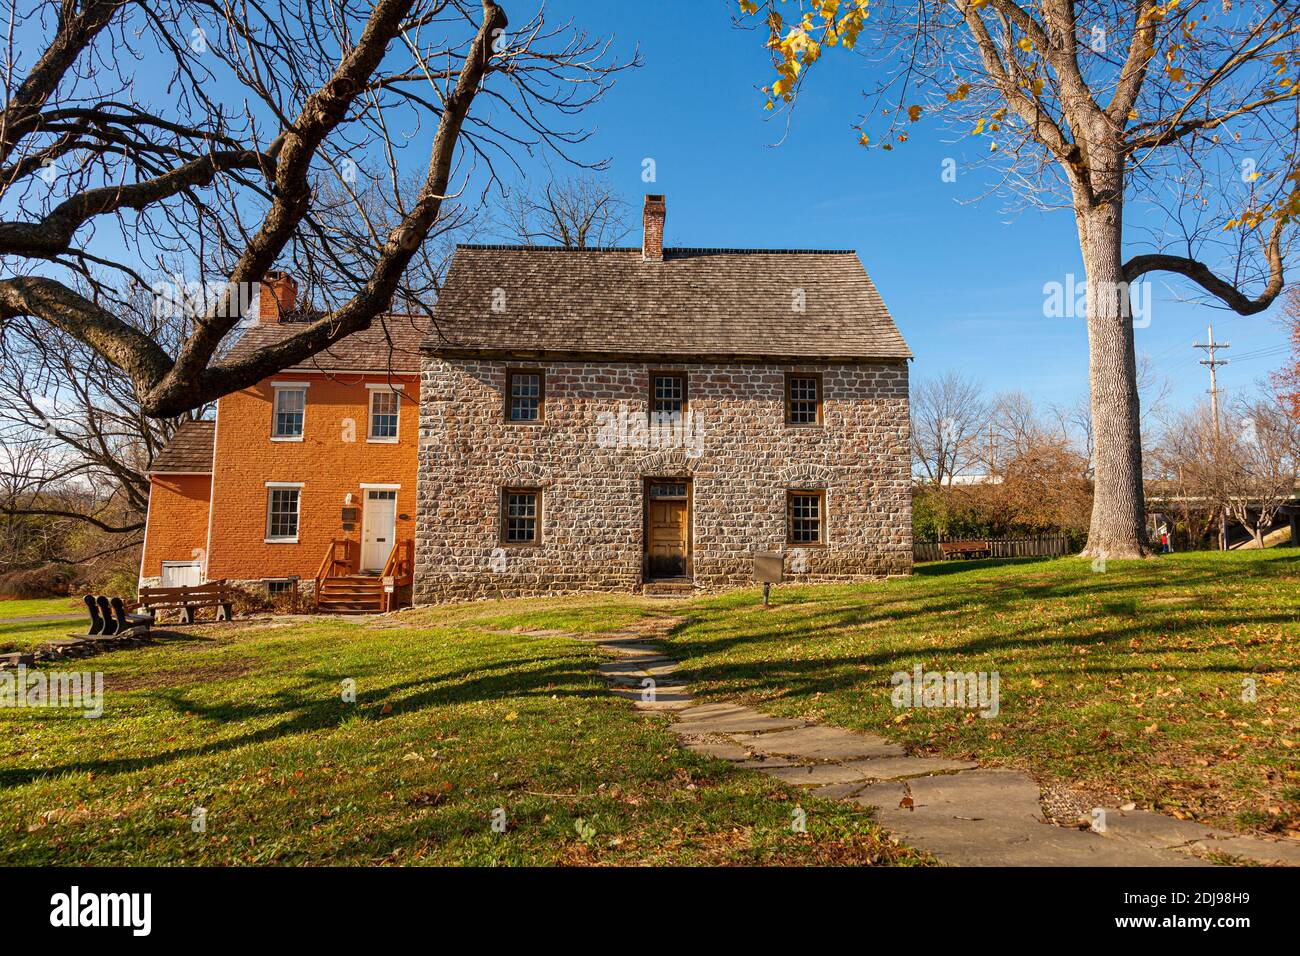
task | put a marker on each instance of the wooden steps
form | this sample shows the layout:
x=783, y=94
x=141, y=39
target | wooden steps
x=351, y=594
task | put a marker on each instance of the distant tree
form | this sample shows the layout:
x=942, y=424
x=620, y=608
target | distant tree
x=1287, y=379
x=948, y=416
x=1198, y=466
x=95, y=441
x=579, y=212
x=1090, y=105
x=1265, y=449
x=1044, y=486
x=1038, y=482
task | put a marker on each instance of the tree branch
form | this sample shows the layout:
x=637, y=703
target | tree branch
x=1203, y=276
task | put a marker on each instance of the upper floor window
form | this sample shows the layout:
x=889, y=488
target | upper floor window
x=385, y=408
x=805, y=517
x=521, y=516
x=667, y=395
x=289, y=408
x=803, y=399
x=525, y=395
x=282, y=504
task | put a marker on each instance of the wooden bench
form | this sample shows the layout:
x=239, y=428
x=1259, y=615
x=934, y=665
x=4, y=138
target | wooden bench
x=215, y=594
x=108, y=617
x=965, y=549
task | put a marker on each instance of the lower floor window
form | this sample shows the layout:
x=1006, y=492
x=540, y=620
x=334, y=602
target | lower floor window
x=282, y=514
x=806, y=517
x=521, y=515
x=278, y=586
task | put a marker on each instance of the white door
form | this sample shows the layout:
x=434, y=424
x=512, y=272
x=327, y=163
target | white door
x=378, y=525
x=181, y=574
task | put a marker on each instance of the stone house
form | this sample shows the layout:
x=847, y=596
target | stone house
x=637, y=419
x=650, y=418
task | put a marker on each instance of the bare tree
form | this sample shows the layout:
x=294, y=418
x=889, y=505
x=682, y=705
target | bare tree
x=948, y=414
x=1017, y=426
x=1198, y=464
x=579, y=212
x=1265, y=450
x=1088, y=105
x=1286, y=380
x=252, y=110
x=96, y=441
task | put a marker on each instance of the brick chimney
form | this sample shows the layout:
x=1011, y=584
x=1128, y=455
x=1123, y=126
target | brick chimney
x=277, y=297
x=652, y=244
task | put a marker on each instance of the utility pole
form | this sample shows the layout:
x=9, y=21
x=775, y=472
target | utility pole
x=1213, y=363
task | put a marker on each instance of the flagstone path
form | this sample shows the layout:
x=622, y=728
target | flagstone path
x=964, y=814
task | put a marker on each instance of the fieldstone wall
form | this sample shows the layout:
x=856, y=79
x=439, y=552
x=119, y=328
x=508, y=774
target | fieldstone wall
x=592, y=454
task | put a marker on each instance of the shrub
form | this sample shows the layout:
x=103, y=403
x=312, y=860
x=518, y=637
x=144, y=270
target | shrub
x=51, y=580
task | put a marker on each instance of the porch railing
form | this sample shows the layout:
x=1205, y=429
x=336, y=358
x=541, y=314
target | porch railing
x=340, y=558
x=400, y=566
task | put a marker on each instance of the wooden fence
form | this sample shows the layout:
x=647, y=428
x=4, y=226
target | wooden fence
x=1040, y=546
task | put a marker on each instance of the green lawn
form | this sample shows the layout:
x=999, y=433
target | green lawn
x=451, y=721
x=29, y=635
x=33, y=607
x=1124, y=684
x=1120, y=685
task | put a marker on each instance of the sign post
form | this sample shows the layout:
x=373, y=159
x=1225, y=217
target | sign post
x=769, y=569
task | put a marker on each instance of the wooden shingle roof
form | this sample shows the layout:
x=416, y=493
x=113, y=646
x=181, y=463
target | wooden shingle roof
x=738, y=304
x=391, y=344
x=189, y=452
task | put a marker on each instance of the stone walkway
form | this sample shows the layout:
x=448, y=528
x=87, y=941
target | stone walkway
x=964, y=814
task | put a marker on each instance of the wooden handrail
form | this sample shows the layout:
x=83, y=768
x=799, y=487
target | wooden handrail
x=331, y=564
x=323, y=571
x=400, y=567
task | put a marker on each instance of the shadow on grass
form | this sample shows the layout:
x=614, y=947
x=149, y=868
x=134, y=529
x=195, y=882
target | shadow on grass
x=305, y=712
x=939, y=569
x=1036, y=621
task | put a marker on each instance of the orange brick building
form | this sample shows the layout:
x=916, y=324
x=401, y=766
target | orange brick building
x=311, y=470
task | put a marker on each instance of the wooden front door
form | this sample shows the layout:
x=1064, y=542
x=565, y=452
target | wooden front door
x=668, y=529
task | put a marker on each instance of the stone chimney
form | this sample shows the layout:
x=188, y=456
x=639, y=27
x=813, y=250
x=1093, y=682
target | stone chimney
x=276, y=298
x=652, y=243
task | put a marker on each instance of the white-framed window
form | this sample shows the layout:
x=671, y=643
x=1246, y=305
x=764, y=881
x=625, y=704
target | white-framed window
x=289, y=410
x=283, y=505
x=385, y=412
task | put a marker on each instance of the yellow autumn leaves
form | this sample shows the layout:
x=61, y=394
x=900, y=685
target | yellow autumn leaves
x=827, y=23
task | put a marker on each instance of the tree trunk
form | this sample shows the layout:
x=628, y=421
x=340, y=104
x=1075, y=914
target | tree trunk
x=1118, y=528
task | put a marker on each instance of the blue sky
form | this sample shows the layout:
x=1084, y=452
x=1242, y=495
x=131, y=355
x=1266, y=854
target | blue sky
x=964, y=281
